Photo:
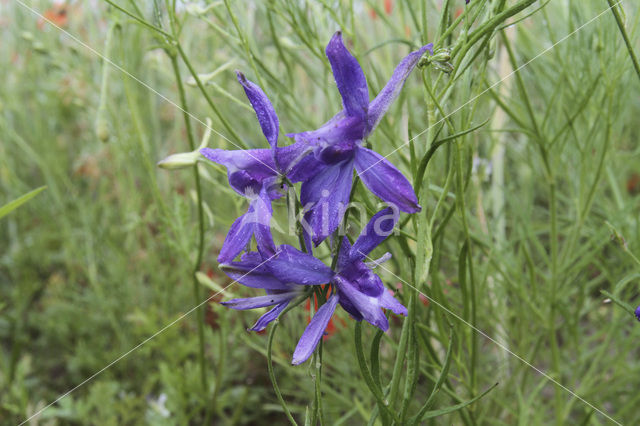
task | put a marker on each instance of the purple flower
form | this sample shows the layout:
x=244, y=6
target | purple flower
x=338, y=144
x=260, y=176
x=638, y=313
x=358, y=289
x=254, y=270
x=355, y=286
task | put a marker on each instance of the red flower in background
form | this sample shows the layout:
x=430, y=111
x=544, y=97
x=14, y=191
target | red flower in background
x=388, y=8
x=57, y=14
x=633, y=184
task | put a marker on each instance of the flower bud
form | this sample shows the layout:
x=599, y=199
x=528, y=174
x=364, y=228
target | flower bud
x=208, y=77
x=441, y=55
x=27, y=36
x=179, y=161
x=198, y=9
x=439, y=60
x=39, y=47
x=102, y=129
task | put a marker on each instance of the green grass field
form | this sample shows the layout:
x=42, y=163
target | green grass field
x=521, y=271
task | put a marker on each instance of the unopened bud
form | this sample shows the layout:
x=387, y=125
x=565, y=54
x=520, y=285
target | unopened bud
x=102, y=129
x=439, y=60
x=203, y=279
x=445, y=67
x=39, y=47
x=442, y=54
x=180, y=161
x=27, y=35
x=197, y=9
x=206, y=78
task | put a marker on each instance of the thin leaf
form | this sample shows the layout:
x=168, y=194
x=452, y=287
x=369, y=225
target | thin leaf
x=453, y=408
x=12, y=205
x=443, y=376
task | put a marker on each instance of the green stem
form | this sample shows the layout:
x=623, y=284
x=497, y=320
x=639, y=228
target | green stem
x=412, y=358
x=213, y=106
x=140, y=20
x=199, y=254
x=616, y=13
x=385, y=413
x=245, y=42
x=397, y=367
x=555, y=355
x=317, y=401
x=272, y=375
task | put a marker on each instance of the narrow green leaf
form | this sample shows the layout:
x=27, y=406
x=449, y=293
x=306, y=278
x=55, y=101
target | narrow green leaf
x=12, y=205
x=453, y=408
x=443, y=376
x=622, y=304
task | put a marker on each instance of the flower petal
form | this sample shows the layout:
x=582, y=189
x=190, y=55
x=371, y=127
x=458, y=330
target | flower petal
x=261, y=217
x=377, y=230
x=260, y=301
x=340, y=129
x=246, y=169
x=327, y=196
x=253, y=271
x=292, y=266
x=387, y=301
x=379, y=106
x=314, y=331
x=349, y=77
x=344, y=258
x=237, y=238
x=297, y=161
x=367, y=306
x=377, y=262
x=384, y=180
x=363, y=279
x=264, y=320
x=264, y=110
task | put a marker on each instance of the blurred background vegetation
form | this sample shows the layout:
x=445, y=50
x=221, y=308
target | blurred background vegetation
x=103, y=258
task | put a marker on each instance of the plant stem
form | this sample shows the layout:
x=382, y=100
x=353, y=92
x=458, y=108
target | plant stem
x=385, y=414
x=200, y=251
x=616, y=14
x=213, y=106
x=140, y=20
x=272, y=375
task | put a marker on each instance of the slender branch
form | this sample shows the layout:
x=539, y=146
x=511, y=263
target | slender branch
x=140, y=20
x=616, y=14
x=272, y=375
x=199, y=253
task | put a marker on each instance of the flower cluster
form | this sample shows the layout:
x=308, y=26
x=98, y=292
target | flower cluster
x=323, y=161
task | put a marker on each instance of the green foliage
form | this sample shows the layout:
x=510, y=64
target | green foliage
x=529, y=231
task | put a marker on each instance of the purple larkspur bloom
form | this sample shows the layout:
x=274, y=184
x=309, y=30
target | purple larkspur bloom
x=259, y=175
x=355, y=286
x=338, y=144
x=638, y=313
x=257, y=271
